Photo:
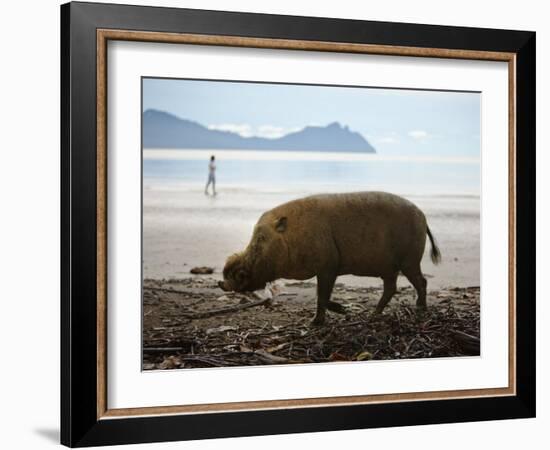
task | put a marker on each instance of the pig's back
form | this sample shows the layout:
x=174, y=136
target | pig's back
x=367, y=233
x=375, y=232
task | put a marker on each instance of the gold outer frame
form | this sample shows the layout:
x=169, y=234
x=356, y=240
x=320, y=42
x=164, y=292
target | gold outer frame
x=104, y=35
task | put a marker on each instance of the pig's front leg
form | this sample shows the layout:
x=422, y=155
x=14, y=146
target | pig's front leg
x=325, y=283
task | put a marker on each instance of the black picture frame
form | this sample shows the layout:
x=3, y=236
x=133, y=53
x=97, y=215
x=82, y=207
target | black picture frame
x=80, y=425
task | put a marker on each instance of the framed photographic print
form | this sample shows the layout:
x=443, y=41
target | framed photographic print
x=276, y=224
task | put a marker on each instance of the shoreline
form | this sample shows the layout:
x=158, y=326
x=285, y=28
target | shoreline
x=186, y=154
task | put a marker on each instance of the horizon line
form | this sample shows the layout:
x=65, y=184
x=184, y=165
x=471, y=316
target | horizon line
x=167, y=154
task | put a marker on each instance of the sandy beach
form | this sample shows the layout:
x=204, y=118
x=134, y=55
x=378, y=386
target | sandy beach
x=189, y=322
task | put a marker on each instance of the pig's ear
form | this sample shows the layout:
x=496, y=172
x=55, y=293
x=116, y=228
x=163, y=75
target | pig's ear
x=280, y=224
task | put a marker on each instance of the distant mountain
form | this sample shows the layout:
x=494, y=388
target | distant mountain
x=164, y=130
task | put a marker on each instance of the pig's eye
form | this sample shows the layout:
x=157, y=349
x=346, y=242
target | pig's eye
x=241, y=276
x=261, y=238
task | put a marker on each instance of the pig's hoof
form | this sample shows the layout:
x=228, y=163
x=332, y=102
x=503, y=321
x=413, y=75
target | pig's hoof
x=317, y=322
x=336, y=307
x=421, y=310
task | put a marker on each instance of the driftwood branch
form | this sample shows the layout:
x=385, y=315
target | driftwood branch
x=214, y=312
x=168, y=290
x=468, y=342
x=162, y=349
x=269, y=358
x=230, y=309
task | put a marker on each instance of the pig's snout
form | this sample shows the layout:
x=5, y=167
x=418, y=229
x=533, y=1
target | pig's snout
x=223, y=286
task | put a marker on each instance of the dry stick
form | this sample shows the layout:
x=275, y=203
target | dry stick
x=465, y=337
x=215, y=312
x=269, y=333
x=269, y=358
x=466, y=341
x=207, y=360
x=173, y=291
x=214, y=359
x=162, y=349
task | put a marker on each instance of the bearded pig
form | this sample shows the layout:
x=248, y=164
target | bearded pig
x=373, y=234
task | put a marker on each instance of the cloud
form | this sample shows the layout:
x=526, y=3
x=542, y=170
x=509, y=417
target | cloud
x=272, y=131
x=418, y=134
x=387, y=140
x=246, y=130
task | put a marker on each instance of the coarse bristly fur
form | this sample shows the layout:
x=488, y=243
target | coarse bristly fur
x=373, y=234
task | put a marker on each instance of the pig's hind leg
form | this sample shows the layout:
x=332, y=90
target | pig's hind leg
x=390, y=287
x=419, y=282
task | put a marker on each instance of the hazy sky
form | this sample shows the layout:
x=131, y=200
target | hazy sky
x=395, y=122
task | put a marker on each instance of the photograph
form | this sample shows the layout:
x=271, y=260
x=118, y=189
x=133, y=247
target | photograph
x=298, y=223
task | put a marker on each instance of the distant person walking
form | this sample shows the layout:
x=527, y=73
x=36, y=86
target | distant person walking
x=211, y=175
